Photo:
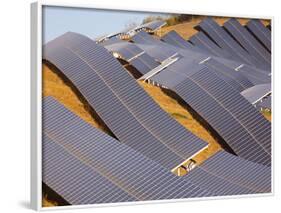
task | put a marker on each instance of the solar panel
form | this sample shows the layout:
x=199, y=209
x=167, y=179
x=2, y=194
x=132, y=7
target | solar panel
x=225, y=41
x=133, y=55
x=257, y=92
x=202, y=41
x=237, y=170
x=101, y=98
x=215, y=184
x=235, y=79
x=262, y=33
x=109, y=41
x=74, y=180
x=152, y=26
x=149, y=131
x=144, y=38
x=231, y=116
x=132, y=172
x=253, y=74
x=168, y=131
x=256, y=76
x=175, y=39
x=248, y=42
x=125, y=49
x=227, y=174
x=264, y=104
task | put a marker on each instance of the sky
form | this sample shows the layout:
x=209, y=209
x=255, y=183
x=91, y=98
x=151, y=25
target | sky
x=89, y=22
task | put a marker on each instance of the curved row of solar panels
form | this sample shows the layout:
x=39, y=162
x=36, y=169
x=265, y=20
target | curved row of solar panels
x=84, y=166
x=127, y=172
x=135, y=119
x=242, y=127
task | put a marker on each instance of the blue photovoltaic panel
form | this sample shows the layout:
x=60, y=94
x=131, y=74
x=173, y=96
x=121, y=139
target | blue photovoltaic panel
x=140, y=177
x=202, y=41
x=235, y=79
x=74, y=180
x=262, y=33
x=246, y=39
x=256, y=76
x=257, y=92
x=144, y=63
x=158, y=122
x=148, y=130
x=225, y=41
x=227, y=174
x=110, y=41
x=133, y=55
x=231, y=116
x=217, y=185
x=125, y=49
x=101, y=98
x=144, y=38
x=239, y=171
x=175, y=39
x=153, y=25
x=158, y=52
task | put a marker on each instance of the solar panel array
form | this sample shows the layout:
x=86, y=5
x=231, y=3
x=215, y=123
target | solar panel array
x=175, y=39
x=202, y=41
x=218, y=72
x=242, y=177
x=262, y=33
x=149, y=130
x=129, y=174
x=74, y=180
x=152, y=26
x=235, y=79
x=133, y=55
x=225, y=41
x=247, y=40
x=232, y=117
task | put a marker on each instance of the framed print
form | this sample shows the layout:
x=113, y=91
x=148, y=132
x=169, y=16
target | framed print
x=145, y=106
